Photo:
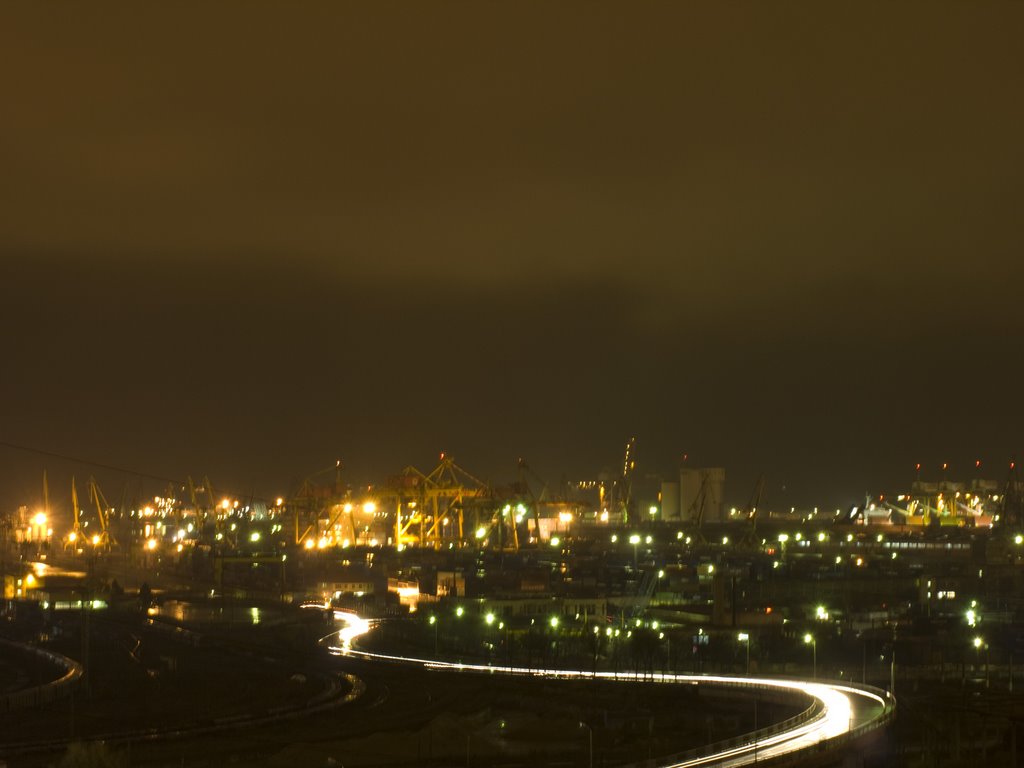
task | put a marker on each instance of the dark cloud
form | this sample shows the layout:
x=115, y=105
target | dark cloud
x=242, y=240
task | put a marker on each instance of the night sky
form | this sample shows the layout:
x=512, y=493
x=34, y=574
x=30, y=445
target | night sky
x=245, y=240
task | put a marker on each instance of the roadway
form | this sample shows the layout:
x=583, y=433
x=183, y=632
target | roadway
x=841, y=711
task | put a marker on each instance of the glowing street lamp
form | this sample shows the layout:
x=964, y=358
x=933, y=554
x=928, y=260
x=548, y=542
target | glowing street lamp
x=979, y=643
x=744, y=638
x=810, y=640
x=590, y=738
x=634, y=539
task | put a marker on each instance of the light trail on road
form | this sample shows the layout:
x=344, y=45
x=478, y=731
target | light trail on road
x=835, y=715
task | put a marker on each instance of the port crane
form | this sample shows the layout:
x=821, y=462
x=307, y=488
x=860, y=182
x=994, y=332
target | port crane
x=524, y=489
x=430, y=508
x=106, y=537
x=310, y=501
x=203, y=511
x=1011, y=507
x=756, y=497
x=622, y=488
x=77, y=537
x=697, y=507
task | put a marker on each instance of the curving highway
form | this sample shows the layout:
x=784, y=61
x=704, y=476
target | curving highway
x=842, y=711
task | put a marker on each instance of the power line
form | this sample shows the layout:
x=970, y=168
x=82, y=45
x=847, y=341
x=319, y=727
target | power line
x=89, y=462
x=111, y=467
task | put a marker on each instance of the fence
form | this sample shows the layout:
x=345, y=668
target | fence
x=46, y=693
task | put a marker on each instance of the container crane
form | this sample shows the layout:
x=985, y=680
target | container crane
x=75, y=534
x=697, y=506
x=104, y=538
x=756, y=498
x=1011, y=507
x=624, y=486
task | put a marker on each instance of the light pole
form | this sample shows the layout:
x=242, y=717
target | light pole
x=508, y=646
x=635, y=541
x=433, y=621
x=809, y=639
x=489, y=621
x=744, y=638
x=979, y=643
x=892, y=666
x=590, y=742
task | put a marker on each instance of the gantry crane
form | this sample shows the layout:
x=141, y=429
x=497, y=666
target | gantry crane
x=697, y=506
x=430, y=508
x=311, y=501
x=625, y=485
x=75, y=534
x=203, y=511
x=524, y=488
x=76, y=537
x=753, y=507
x=1011, y=505
x=105, y=537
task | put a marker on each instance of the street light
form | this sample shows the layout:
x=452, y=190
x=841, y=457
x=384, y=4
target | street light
x=433, y=623
x=590, y=742
x=979, y=643
x=744, y=638
x=810, y=640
